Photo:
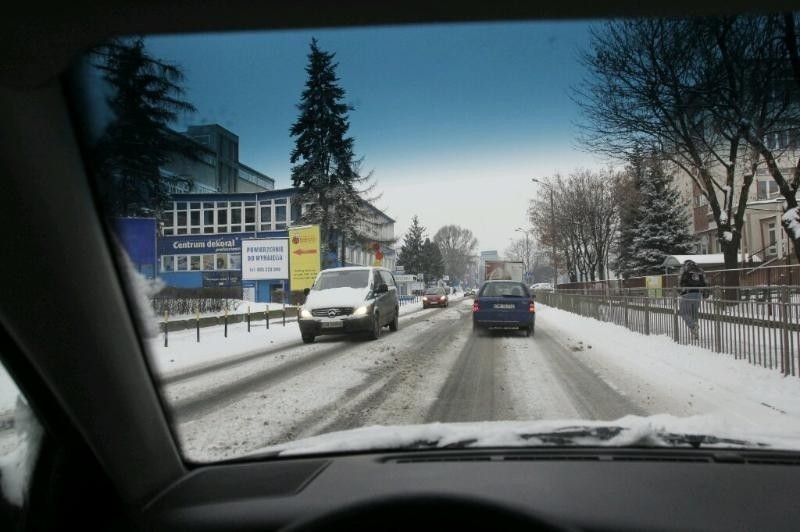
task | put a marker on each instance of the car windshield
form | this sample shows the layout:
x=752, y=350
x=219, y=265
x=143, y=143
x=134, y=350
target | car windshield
x=504, y=290
x=254, y=184
x=342, y=279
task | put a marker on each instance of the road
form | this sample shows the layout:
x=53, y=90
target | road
x=432, y=369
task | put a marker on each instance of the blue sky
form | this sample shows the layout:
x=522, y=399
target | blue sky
x=453, y=120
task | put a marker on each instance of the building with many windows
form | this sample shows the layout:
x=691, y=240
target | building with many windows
x=199, y=241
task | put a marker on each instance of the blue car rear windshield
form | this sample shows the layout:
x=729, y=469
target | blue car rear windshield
x=505, y=289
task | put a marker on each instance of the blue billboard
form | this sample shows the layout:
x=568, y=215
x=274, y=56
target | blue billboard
x=138, y=238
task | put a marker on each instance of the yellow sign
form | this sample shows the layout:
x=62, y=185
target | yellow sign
x=653, y=285
x=304, y=258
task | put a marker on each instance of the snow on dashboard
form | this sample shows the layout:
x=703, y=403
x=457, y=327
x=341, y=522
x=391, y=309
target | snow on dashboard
x=635, y=431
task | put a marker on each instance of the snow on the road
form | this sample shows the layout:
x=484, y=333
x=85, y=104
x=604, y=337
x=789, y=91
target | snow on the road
x=665, y=377
x=291, y=408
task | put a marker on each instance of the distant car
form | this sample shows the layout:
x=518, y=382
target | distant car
x=435, y=297
x=350, y=300
x=469, y=292
x=504, y=305
x=542, y=286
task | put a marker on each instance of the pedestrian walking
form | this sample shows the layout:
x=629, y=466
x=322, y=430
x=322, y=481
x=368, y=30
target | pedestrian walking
x=692, y=284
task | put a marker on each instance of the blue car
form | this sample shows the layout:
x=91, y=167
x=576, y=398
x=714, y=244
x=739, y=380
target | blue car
x=503, y=305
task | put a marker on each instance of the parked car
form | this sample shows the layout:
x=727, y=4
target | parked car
x=350, y=300
x=469, y=292
x=542, y=286
x=435, y=297
x=504, y=305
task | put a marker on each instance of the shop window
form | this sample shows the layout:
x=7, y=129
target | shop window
x=235, y=261
x=222, y=261
x=194, y=263
x=168, y=263
x=208, y=262
x=183, y=263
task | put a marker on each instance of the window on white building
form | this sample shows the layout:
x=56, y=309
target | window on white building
x=772, y=239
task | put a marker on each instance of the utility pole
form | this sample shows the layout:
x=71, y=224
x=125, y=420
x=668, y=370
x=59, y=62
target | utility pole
x=527, y=260
x=552, y=228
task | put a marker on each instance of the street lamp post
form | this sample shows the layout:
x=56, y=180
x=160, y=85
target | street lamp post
x=527, y=260
x=552, y=227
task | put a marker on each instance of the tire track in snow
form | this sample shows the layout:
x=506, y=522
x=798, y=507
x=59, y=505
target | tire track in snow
x=220, y=392
x=379, y=399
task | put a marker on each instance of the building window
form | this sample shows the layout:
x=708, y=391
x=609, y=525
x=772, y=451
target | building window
x=235, y=261
x=249, y=217
x=766, y=189
x=183, y=263
x=236, y=217
x=222, y=216
x=208, y=262
x=222, y=261
x=772, y=238
x=168, y=263
x=194, y=263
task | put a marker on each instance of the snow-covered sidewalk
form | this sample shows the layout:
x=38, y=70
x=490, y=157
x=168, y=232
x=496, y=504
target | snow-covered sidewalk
x=184, y=352
x=679, y=379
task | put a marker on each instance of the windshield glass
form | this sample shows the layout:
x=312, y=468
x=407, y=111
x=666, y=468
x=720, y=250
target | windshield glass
x=342, y=279
x=589, y=160
x=504, y=289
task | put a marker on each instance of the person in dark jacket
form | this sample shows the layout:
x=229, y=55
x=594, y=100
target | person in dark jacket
x=692, y=285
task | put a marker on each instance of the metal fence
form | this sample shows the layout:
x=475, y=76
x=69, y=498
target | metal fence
x=763, y=332
x=786, y=275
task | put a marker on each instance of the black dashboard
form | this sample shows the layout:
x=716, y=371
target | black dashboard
x=585, y=489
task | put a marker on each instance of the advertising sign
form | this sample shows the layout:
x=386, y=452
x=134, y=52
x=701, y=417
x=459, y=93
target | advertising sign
x=222, y=280
x=199, y=244
x=266, y=258
x=403, y=278
x=304, y=260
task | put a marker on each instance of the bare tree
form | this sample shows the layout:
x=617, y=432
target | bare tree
x=759, y=76
x=457, y=246
x=586, y=218
x=650, y=85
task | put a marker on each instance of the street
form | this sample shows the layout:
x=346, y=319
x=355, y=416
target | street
x=434, y=369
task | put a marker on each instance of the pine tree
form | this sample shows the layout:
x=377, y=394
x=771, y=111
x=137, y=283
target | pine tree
x=325, y=168
x=145, y=97
x=432, y=260
x=662, y=222
x=630, y=201
x=411, y=250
